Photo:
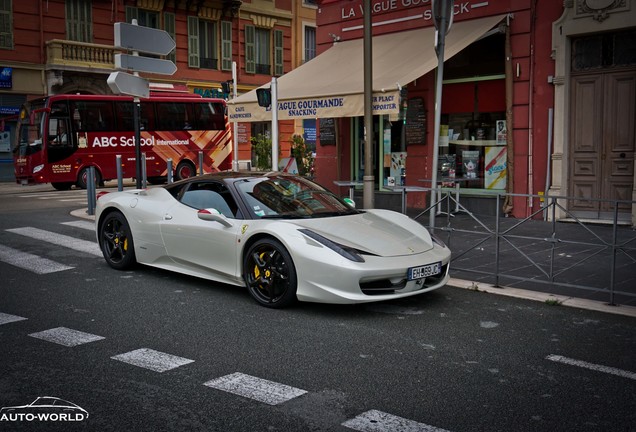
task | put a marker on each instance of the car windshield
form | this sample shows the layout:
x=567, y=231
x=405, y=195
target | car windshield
x=288, y=197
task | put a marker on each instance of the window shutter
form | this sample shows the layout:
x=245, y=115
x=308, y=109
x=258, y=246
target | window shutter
x=226, y=45
x=193, y=42
x=131, y=14
x=278, y=52
x=169, y=27
x=250, y=51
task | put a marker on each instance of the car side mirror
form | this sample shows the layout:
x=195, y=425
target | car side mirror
x=213, y=215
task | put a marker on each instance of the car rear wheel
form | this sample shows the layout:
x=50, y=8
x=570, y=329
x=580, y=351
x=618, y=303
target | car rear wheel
x=116, y=241
x=270, y=274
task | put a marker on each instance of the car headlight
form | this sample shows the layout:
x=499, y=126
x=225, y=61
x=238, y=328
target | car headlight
x=347, y=252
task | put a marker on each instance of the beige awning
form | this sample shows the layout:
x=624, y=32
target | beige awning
x=332, y=84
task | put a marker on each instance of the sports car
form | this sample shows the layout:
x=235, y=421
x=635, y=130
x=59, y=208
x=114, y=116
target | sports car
x=282, y=236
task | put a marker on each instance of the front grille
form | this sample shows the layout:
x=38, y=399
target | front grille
x=384, y=286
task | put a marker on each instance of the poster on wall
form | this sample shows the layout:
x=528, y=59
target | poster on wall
x=496, y=168
x=5, y=141
x=470, y=163
x=502, y=132
x=398, y=168
x=327, y=127
x=6, y=77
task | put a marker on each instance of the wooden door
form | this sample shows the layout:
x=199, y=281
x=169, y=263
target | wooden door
x=602, y=142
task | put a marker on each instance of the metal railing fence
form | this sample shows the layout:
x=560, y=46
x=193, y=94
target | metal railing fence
x=541, y=251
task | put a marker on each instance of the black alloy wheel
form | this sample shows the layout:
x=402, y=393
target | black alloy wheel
x=270, y=274
x=116, y=242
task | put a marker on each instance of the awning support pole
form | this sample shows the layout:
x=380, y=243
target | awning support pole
x=274, y=90
x=368, y=179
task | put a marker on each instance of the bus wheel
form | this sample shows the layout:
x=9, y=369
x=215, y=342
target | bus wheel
x=62, y=186
x=185, y=170
x=81, y=179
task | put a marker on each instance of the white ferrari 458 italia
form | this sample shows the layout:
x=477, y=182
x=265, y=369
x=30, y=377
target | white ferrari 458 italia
x=284, y=237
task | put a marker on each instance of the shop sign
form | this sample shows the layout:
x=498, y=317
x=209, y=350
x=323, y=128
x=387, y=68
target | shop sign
x=9, y=110
x=6, y=77
x=384, y=103
x=210, y=93
x=350, y=12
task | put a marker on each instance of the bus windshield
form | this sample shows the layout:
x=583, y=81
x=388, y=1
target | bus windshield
x=30, y=128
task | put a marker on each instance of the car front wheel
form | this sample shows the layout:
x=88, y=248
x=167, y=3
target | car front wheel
x=269, y=274
x=116, y=241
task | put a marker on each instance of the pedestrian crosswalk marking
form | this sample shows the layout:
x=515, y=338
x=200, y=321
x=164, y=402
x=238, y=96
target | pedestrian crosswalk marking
x=66, y=336
x=262, y=390
x=8, y=318
x=59, y=239
x=83, y=224
x=27, y=261
x=378, y=421
x=150, y=359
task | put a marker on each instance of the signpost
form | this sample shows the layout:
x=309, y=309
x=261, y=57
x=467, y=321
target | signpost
x=137, y=39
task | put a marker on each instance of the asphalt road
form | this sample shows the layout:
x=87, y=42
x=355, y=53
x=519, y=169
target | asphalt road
x=148, y=350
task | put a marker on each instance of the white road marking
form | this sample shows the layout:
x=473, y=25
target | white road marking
x=59, y=239
x=74, y=200
x=27, y=261
x=66, y=336
x=7, y=318
x=151, y=359
x=262, y=390
x=83, y=224
x=596, y=367
x=378, y=421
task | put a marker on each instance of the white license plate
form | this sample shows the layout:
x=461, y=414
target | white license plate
x=424, y=271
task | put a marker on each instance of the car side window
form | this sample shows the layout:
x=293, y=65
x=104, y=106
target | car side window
x=202, y=195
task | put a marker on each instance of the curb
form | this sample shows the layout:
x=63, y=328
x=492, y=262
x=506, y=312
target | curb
x=629, y=311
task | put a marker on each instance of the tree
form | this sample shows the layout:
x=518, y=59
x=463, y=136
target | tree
x=303, y=155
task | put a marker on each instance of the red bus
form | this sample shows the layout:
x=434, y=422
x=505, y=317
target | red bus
x=60, y=136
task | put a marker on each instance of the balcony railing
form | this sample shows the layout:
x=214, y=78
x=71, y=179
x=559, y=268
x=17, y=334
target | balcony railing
x=71, y=54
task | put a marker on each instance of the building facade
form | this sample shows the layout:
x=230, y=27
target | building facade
x=542, y=102
x=66, y=46
x=538, y=97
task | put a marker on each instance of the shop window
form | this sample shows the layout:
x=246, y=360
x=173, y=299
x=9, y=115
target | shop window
x=472, y=142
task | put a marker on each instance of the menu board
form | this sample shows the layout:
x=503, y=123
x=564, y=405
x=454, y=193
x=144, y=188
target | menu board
x=327, y=131
x=415, y=122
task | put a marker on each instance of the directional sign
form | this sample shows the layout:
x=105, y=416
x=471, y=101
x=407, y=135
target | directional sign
x=125, y=83
x=145, y=39
x=144, y=64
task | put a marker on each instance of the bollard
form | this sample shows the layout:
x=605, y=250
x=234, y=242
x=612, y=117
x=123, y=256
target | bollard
x=169, y=170
x=144, y=183
x=90, y=190
x=120, y=174
x=200, y=163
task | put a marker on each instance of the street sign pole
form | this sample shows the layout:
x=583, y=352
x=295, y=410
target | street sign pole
x=137, y=38
x=442, y=11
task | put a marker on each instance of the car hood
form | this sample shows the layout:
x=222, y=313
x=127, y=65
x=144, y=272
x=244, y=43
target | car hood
x=378, y=232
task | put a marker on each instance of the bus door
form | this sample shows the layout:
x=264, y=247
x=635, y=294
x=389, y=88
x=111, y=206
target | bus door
x=60, y=140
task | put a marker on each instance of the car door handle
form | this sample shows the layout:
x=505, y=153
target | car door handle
x=167, y=217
